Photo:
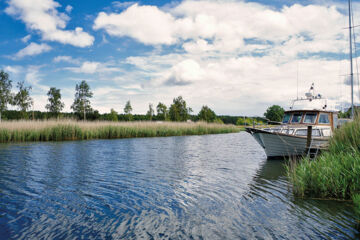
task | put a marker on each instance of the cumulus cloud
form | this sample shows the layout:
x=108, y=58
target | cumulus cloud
x=67, y=59
x=32, y=49
x=89, y=67
x=225, y=26
x=42, y=16
x=184, y=73
x=146, y=24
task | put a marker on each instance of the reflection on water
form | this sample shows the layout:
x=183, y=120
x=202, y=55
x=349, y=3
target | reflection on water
x=200, y=187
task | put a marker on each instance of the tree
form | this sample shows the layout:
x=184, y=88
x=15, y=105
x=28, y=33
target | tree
x=274, y=113
x=178, y=110
x=55, y=106
x=5, y=91
x=246, y=121
x=127, y=110
x=162, y=112
x=150, y=112
x=81, y=103
x=22, y=99
x=206, y=114
x=113, y=115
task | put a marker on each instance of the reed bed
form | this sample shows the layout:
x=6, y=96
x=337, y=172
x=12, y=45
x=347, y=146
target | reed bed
x=51, y=130
x=334, y=173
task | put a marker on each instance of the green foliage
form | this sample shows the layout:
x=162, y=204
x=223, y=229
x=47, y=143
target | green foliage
x=22, y=99
x=113, y=115
x=274, y=113
x=61, y=132
x=150, y=112
x=245, y=121
x=218, y=121
x=178, y=110
x=5, y=91
x=81, y=105
x=206, y=114
x=356, y=200
x=127, y=110
x=241, y=121
x=347, y=114
x=55, y=106
x=334, y=173
x=162, y=112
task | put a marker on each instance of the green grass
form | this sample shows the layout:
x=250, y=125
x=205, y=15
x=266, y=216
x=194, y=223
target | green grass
x=25, y=131
x=333, y=174
x=356, y=200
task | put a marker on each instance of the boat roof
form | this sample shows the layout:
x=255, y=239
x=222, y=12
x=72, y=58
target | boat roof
x=311, y=110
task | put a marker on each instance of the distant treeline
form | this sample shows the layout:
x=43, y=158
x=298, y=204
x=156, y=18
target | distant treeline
x=96, y=116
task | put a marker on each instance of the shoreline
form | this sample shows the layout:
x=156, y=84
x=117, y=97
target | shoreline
x=68, y=130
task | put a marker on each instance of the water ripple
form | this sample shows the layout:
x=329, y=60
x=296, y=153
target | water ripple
x=198, y=187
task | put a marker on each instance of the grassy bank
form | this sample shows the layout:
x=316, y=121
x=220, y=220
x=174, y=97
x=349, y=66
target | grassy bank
x=335, y=173
x=23, y=131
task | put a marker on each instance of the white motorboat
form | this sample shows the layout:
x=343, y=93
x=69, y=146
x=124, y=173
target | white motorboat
x=290, y=138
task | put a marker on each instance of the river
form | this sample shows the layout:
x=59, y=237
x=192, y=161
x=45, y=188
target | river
x=193, y=187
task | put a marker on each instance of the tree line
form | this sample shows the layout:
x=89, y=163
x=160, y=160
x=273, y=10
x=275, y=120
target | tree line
x=177, y=111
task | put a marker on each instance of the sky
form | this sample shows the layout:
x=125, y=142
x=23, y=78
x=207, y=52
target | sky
x=237, y=57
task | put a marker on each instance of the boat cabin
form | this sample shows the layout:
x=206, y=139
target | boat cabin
x=311, y=117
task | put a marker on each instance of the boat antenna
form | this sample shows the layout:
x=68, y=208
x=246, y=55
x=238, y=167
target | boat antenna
x=297, y=80
x=355, y=53
x=351, y=65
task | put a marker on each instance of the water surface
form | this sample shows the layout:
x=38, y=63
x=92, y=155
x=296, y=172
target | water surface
x=195, y=187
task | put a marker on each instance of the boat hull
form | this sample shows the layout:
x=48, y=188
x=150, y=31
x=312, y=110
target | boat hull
x=277, y=145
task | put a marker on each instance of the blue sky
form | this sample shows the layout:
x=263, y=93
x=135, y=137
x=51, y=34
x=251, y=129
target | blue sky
x=237, y=57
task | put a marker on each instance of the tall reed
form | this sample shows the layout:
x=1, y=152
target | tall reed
x=336, y=172
x=22, y=131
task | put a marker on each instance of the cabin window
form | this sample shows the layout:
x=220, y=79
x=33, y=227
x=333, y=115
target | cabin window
x=286, y=118
x=296, y=118
x=324, y=118
x=310, y=118
x=303, y=132
x=335, y=120
x=315, y=132
x=326, y=132
x=287, y=131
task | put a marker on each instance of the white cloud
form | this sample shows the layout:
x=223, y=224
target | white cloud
x=26, y=38
x=146, y=24
x=87, y=67
x=68, y=59
x=42, y=16
x=68, y=9
x=184, y=73
x=118, y=4
x=12, y=69
x=32, y=49
x=94, y=67
x=224, y=26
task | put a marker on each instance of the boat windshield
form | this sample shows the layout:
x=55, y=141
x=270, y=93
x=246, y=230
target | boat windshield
x=303, y=132
x=286, y=118
x=296, y=118
x=310, y=118
x=324, y=118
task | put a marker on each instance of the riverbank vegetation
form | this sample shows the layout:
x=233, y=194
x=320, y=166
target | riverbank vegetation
x=23, y=131
x=336, y=172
